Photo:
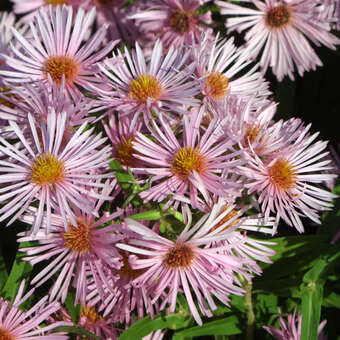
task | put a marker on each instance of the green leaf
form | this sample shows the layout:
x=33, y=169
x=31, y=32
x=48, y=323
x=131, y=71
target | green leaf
x=73, y=310
x=3, y=271
x=151, y=215
x=312, y=294
x=146, y=325
x=20, y=270
x=76, y=330
x=332, y=300
x=227, y=326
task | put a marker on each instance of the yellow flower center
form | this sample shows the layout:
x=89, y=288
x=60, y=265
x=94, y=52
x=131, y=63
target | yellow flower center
x=124, y=152
x=180, y=21
x=91, y=316
x=187, y=160
x=282, y=174
x=179, y=256
x=57, y=66
x=6, y=335
x=216, y=85
x=144, y=87
x=126, y=270
x=47, y=169
x=56, y=2
x=78, y=238
x=279, y=16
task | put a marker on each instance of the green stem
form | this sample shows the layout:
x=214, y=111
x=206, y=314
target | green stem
x=250, y=312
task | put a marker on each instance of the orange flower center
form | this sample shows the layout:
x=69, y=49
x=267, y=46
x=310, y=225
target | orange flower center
x=216, y=85
x=6, y=335
x=279, y=16
x=91, y=316
x=124, y=151
x=78, y=238
x=187, y=160
x=47, y=169
x=179, y=256
x=144, y=87
x=282, y=174
x=57, y=66
x=126, y=270
x=180, y=21
x=56, y=2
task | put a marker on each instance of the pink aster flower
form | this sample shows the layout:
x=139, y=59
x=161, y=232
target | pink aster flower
x=123, y=300
x=221, y=66
x=122, y=133
x=40, y=101
x=187, y=166
x=280, y=29
x=176, y=22
x=42, y=169
x=287, y=183
x=290, y=329
x=16, y=324
x=56, y=50
x=194, y=260
x=81, y=252
x=136, y=86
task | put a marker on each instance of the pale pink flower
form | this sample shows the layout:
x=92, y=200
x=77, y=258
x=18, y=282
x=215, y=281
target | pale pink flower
x=221, y=67
x=56, y=50
x=196, y=260
x=176, y=22
x=284, y=182
x=137, y=86
x=190, y=165
x=123, y=300
x=80, y=253
x=41, y=169
x=290, y=328
x=122, y=132
x=278, y=30
x=40, y=100
x=16, y=324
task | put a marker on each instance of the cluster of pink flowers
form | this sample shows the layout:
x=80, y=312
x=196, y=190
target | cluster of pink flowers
x=188, y=114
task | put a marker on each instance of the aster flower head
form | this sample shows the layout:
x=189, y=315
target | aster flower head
x=137, y=86
x=56, y=50
x=81, y=253
x=288, y=182
x=280, y=29
x=221, y=65
x=123, y=300
x=290, y=328
x=187, y=166
x=194, y=260
x=122, y=134
x=40, y=101
x=16, y=324
x=176, y=22
x=42, y=169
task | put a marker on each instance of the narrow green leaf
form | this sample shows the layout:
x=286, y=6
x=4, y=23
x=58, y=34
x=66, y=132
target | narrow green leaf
x=76, y=330
x=227, y=326
x=3, y=271
x=332, y=300
x=151, y=215
x=20, y=270
x=146, y=325
x=312, y=294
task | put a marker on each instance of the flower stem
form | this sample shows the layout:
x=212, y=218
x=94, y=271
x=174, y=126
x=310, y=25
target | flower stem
x=250, y=312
